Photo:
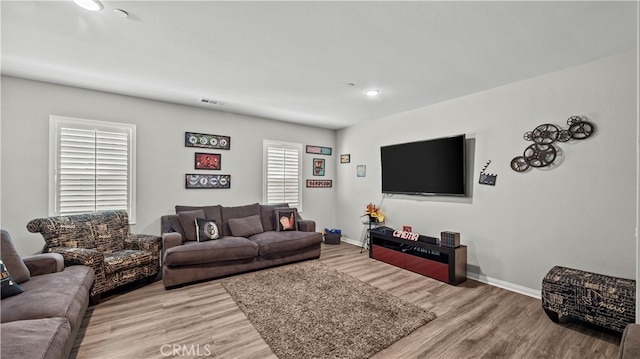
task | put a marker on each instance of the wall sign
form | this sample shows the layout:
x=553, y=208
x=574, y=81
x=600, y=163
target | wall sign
x=318, y=150
x=193, y=180
x=202, y=140
x=318, y=167
x=319, y=183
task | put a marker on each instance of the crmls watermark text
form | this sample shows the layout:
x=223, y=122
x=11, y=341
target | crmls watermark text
x=178, y=350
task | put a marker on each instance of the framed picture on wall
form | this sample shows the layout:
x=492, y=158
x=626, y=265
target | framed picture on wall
x=203, y=140
x=207, y=161
x=318, y=150
x=361, y=171
x=196, y=180
x=346, y=158
x=318, y=167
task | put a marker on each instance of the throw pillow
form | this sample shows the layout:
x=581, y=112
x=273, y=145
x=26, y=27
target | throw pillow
x=9, y=286
x=188, y=221
x=11, y=259
x=286, y=219
x=245, y=227
x=207, y=229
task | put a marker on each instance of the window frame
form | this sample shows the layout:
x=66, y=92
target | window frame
x=289, y=145
x=56, y=123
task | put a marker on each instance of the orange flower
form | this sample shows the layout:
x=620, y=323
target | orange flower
x=374, y=212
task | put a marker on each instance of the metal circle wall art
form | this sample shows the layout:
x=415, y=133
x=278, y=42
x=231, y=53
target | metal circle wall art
x=542, y=153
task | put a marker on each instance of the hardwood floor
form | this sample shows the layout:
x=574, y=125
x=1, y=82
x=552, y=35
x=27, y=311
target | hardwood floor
x=474, y=320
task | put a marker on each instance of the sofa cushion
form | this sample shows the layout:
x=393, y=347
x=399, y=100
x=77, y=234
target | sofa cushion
x=38, y=338
x=245, y=227
x=62, y=231
x=278, y=242
x=210, y=212
x=206, y=229
x=64, y=294
x=268, y=215
x=127, y=259
x=103, y=230
x=286, y=219
x=223, y=249
x=171, y=223
x=12, y=260
x=188, y=221
x=237, y=212
x=9, y=286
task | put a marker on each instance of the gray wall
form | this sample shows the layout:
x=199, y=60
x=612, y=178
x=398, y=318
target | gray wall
x=580, y=213
x=162, y=159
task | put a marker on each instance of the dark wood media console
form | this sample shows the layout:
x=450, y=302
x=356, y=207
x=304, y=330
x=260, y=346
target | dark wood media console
x=446, y=264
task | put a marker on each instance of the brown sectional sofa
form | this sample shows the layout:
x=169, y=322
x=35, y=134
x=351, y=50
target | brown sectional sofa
x=186, y=260
x=42, y=321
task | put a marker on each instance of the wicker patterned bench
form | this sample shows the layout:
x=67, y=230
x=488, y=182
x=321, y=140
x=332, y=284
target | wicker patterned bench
x=603, y=300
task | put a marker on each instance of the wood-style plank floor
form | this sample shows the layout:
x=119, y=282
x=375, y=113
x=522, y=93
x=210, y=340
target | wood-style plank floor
x=474, y=320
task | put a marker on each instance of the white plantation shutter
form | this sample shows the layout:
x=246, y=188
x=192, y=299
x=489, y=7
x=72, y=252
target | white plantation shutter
x=283, y=173
x=93, y=167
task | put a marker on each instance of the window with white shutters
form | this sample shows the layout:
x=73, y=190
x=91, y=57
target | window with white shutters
x=92, y=166
x=282, y=173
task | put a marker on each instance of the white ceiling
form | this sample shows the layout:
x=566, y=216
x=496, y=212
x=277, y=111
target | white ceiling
x=294, y=61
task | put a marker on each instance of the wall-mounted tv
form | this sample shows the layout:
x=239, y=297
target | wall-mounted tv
x=432, y=167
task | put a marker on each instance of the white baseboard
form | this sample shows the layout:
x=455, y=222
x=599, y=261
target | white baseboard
x=481, y=278
x=505, y=285
x=352, y=241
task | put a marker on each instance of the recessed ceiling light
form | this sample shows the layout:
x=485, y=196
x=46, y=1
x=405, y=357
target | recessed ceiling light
x=372, y=92
x=92, y=5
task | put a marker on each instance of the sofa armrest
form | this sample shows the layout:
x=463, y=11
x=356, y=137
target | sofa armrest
x=630, y=343
x=307, y=225
x=143, y=242
x=44, y=263
x=82, y=256
x=171, y=239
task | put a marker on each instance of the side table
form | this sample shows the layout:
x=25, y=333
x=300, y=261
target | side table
x=366, y=237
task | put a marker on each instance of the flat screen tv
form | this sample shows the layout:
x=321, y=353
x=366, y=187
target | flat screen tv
x=433, y=167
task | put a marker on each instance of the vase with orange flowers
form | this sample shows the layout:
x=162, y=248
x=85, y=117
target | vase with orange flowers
x=374, y=213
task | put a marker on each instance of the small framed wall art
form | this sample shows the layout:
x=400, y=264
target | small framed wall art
x=207, y=161
x=361, y=171
x=346, y=158
x=319, y=150
x=202, y=140
x=318, y=167
x=319, y=183
x=195, y=180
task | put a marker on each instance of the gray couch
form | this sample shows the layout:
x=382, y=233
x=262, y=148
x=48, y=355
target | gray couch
x=42, y=321
x=249, y=239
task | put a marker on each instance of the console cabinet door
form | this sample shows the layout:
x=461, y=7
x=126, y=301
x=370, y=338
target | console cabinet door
x=388, y=256
x=435, y=270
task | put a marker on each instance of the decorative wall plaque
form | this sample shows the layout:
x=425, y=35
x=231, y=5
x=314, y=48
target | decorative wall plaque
x=318, y=150
x=319, y=183
x=207, y=161
x=318, y=167
x=195, y=180
x=542, y=152
x=202, y=140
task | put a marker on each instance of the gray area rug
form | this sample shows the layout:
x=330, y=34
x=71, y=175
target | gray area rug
x=309, y=310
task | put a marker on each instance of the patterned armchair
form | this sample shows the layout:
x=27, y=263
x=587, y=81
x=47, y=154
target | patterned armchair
x=101, y=240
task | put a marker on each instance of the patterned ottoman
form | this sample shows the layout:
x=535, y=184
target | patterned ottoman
x=606, y=301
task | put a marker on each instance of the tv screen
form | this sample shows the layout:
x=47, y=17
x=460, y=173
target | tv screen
x=431, y=167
